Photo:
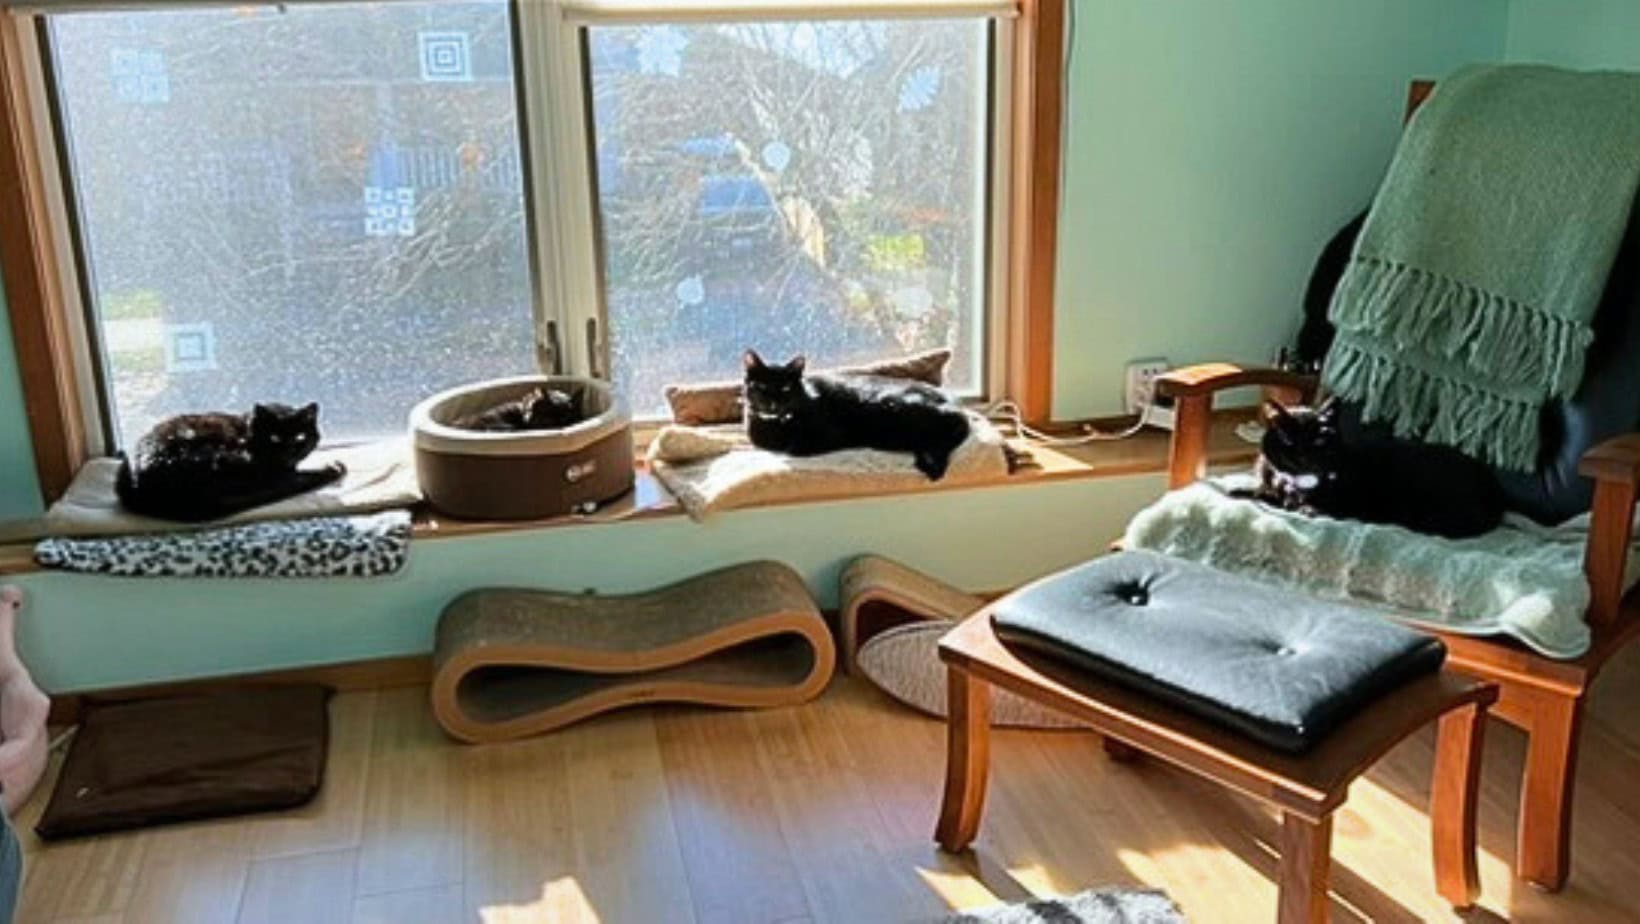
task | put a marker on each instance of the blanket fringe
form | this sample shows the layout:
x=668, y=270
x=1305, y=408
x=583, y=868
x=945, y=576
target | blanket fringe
x=1500, y=430
x=1500, y=340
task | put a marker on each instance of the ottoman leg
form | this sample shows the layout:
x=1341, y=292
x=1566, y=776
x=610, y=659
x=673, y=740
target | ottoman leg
x=967, y=759
x=1306, y=852
x=1453, y=797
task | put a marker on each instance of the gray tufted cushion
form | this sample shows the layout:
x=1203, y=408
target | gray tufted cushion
x=1279, y=667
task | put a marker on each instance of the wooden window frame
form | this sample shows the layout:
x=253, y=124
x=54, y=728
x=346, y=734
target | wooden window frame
x=1040, y=54
x=41, y=282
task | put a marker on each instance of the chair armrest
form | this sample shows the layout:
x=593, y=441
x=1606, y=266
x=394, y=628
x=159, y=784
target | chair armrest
x=1192, y=389
x=1617, y=459
x=1615, y=467
x=1208, y=378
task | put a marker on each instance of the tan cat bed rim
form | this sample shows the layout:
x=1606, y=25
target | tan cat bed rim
x=432, y=422
x=512, y=662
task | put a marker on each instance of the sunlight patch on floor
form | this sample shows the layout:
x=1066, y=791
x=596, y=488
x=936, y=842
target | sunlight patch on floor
x=561, y=901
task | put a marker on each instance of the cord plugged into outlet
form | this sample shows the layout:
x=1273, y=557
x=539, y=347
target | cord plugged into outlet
x=1139, y=392
x=1139, y=384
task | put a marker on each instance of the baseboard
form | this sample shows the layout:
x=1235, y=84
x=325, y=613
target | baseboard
x=375, y=674
x=349, y=676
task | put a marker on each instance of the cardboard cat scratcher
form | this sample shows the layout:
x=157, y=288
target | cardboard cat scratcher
x=511, y=662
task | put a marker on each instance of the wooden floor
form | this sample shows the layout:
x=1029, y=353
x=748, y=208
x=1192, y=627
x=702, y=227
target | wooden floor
x=811, y=814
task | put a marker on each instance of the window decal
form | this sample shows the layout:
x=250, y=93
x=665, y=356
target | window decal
x=390, y=211
x=446, y=57
x=190, y=347
x=919, y=90
x=660, y=50
x=139, y=76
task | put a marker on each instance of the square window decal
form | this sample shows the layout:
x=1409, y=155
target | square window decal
x=390, y=211
x=190, y=347
x=140, y=76
x=446, y=57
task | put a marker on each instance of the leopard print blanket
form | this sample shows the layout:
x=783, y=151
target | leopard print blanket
x=320, y=547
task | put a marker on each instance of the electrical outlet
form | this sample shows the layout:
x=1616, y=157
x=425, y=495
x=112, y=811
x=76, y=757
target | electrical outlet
x=1139, y=384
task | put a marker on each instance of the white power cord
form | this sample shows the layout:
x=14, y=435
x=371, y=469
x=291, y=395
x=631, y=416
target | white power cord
x=1008, y=412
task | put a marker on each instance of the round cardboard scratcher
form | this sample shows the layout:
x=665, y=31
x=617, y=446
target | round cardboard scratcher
x=904, y=662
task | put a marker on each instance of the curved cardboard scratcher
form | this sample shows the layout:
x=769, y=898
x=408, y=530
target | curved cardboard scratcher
x=893, y=617
x=512, y=662
x=879, y=594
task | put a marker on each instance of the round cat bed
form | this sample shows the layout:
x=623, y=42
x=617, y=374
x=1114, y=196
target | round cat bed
x=527, y=475
x=904, y=662
x=511, y=662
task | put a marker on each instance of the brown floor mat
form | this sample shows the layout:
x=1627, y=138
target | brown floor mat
x=147, y=762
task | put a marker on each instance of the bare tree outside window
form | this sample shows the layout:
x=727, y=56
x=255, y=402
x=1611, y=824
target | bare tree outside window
x=811, y=187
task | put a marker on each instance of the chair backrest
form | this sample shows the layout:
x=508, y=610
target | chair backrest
x=1607, y=404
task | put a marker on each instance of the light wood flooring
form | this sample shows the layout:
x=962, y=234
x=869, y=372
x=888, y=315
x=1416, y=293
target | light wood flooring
x=821, y=813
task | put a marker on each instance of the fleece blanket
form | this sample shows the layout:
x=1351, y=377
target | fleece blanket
x=717, y=468
x=321, y=547
x=1522, y=580
x=1469, y=301
x=379, y=476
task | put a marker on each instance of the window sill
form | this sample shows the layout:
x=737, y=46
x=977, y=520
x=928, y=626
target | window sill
x=1145, y=453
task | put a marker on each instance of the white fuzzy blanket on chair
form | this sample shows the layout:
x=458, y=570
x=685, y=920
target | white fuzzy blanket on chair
x=1522, y=579
x=717, y=468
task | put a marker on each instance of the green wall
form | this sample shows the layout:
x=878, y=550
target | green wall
x=1575, y=33
x=88, y=633
x=1213, y=146
x=19, y=489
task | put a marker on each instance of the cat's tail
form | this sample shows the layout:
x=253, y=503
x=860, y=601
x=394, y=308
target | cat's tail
x=125, y=486
x=132, y=498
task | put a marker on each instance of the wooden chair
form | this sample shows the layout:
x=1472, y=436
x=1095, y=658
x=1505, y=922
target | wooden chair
x=1541, y=696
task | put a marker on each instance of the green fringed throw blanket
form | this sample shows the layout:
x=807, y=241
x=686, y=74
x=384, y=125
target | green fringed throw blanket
x=1468, y=303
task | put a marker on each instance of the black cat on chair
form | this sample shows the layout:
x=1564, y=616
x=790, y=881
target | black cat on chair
x=1305, y=464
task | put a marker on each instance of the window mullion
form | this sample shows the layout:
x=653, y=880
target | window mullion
x=567, y=290
x=999, y=289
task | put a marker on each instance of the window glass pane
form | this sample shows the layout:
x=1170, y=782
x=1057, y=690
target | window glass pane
x=794, y=187
x=321, y=203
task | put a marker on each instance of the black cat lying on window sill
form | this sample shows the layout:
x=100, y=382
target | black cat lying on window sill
x=199, y=467
x=800, y=415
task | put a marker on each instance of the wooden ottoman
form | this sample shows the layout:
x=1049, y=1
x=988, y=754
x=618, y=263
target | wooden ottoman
x=1305, y=786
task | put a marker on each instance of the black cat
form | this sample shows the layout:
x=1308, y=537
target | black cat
x=541, y=409
x=200, y=467
x=1305, y=465
x=800, y=415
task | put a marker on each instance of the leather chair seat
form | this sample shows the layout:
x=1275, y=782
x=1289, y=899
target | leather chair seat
x=1279, y=667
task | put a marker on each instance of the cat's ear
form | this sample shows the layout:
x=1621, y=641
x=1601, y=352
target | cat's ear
x=262, y=412
x=797, y=363
x=750, y=360
x=1274, y=412
x=309, y=412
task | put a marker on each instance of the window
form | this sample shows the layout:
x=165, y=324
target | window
x=813, y=187
x=321, y=203
x=361, y=203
